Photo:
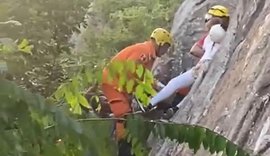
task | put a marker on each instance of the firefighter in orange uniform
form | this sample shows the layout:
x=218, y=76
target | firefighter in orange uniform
x=142, y=53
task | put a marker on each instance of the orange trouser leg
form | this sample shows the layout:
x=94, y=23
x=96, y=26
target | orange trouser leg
x=119, y=105
x=184, y=91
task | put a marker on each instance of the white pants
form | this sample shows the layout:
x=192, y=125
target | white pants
x=183, y=80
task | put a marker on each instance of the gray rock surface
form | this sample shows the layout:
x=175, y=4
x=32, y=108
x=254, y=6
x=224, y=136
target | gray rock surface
x=233, y=97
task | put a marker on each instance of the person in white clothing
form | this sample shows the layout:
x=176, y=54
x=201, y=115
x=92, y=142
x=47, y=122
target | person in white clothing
x=216, y=11
x=211, y=46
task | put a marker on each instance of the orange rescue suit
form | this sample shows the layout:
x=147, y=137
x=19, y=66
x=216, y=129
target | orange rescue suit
x=142, y=53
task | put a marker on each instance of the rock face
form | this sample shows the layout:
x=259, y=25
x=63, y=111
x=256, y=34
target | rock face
x=233, y=97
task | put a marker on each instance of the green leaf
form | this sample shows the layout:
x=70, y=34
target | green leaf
x=68, y=95
x=139, y=71
x=77, y=109
x=23, y=44
x=190, y=137
x=148, y=88
x=83, y=101
x=136, y=135
x=132, y=125
x=122, y=80
x=171, y=131
x=148, y=77
x=25, y=47
x=199, y=134
x=210, y=137
x=145, y=100
x=182, y=137
x=220, y=143
x=73, y=101
x=134, y=141
x=130, y=85
x=231, y=149
x=75, y=84
x=161, y=130
x=96, y=98
x=116, y=67
x=60, y=92
x=205, y=143
x=120, y=67
x=131, y=66
x=139, y=90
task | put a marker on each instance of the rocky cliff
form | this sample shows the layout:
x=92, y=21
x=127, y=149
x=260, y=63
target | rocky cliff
x=233, y=97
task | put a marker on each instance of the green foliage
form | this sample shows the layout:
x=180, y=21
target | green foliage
x=115, y=24
x=132, y=78
x=50, y=26
x=137, y=137
x=25, y=47
x=9, y=47
x=196, y=136
x=47, y=26
x=27, y=127
x=72, y=92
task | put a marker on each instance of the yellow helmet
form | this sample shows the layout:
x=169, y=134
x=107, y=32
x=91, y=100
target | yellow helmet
x=219, y=11
x=161, y=36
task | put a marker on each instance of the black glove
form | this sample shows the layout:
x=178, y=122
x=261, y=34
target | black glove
x=175, y=109
x=148, y=108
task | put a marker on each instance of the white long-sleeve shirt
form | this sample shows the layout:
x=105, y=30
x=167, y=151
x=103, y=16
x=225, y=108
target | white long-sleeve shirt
x=210, y=49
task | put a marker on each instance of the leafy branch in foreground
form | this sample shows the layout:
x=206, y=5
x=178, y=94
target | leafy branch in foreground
x=24, y=116
x=196, y=136
x=73, y=91
x=132, y=78
x=140, y=85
